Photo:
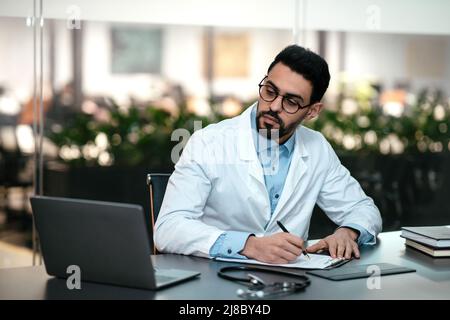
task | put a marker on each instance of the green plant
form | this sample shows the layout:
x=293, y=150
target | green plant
x=135, y=137
x=142, y=136
x=423, y=126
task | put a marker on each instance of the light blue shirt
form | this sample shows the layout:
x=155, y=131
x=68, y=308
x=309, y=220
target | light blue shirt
x=275, y=160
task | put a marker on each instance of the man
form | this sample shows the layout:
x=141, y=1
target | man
x=237, y=178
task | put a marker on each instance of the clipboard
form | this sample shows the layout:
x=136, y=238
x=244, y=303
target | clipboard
x=358, y=271
x=317, y=262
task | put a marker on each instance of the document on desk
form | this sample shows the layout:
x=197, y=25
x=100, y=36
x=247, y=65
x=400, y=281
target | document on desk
x=316, y=261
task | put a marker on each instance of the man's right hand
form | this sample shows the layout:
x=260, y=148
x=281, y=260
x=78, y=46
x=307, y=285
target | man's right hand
x=281, y=247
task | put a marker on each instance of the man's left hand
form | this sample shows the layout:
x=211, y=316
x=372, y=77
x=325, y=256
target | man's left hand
x=342, y=243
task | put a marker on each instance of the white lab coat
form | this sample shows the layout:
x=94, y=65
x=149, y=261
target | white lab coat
x=218, y=185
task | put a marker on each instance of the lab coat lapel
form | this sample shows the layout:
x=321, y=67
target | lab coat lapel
x=246, y=147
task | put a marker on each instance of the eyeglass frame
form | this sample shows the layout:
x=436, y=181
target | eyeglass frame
x=260, y=85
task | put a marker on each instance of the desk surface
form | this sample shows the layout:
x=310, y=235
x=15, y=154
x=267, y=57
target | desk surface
x=430, y=281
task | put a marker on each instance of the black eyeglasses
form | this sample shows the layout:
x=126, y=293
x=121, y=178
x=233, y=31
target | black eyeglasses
x=289, y=103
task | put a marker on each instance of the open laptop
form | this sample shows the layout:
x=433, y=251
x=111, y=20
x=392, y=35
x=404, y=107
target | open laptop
x=107, y=241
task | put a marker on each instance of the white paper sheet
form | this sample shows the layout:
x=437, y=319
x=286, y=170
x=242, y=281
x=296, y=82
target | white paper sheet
x=316, y=261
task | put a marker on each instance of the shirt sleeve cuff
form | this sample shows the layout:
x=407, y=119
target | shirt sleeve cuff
x=365, y=238
x=229, y=244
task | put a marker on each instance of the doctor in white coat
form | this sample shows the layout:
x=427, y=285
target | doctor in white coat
x=237, y=178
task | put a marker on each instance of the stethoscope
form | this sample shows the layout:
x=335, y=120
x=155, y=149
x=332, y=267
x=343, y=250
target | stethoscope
x=258, y=289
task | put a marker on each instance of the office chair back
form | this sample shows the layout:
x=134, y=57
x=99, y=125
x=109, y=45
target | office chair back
x=157, y=183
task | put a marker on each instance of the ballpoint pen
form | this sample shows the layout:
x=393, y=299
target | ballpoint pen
x=286, y=230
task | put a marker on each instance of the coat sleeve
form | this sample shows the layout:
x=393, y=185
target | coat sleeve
x=179, y=228
x=342, y=198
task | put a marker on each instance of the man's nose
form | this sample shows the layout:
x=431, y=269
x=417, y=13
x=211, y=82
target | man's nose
x=276, y=105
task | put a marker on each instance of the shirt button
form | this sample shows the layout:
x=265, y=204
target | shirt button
x=276, y=196
x=229, y=251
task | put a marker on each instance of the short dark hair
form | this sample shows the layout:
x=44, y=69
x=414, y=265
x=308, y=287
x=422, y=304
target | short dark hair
x=307, y=63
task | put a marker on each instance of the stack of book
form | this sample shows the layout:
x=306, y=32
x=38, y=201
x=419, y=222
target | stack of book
x=434, y=241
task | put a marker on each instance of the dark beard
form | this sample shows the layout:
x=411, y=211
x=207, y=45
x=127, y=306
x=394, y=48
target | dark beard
x=267, y=131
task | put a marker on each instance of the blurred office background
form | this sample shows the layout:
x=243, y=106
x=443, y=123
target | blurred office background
x=114, y=79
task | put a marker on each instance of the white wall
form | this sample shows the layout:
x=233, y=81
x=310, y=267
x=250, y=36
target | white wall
x=385, y=57
x=16, y=57
x=382, y=57
x=182, y=62
x=368, y=55
x=63, y=54
x=386, y=16
x=182, y=58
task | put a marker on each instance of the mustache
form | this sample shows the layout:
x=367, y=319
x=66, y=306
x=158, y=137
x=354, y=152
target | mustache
x=273, y=115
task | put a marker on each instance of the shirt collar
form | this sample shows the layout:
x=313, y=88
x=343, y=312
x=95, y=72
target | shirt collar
x=290, y=143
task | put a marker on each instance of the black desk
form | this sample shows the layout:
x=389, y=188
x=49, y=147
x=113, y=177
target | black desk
x=431, y=281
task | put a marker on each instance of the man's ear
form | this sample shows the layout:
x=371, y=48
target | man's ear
x=314, y=111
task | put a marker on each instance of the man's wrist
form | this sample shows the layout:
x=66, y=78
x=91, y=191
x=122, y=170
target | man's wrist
x=247, y=246
x=354, y=234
